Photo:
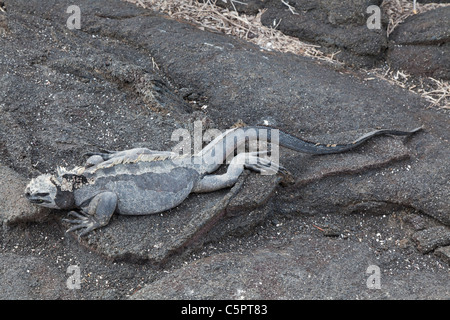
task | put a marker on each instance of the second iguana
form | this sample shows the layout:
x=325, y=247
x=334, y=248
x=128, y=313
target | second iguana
x=142, y=181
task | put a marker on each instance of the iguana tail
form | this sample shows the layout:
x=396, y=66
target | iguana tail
x=301, y=145
x=225, y=145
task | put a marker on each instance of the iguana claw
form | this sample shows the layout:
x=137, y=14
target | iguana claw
x=263, y=165
x=83, y=221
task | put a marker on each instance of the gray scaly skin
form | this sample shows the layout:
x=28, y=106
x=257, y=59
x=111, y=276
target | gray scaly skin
x=142, y=181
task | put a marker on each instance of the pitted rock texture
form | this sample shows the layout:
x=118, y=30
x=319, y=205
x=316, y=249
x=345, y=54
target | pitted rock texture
x=124, y=80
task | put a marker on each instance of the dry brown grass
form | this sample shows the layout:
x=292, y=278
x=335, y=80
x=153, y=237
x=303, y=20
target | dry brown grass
x=398, y=10
x=208, y=16
x=436, y=92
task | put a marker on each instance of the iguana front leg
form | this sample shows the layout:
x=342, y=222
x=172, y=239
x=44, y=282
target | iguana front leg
x=98, y=213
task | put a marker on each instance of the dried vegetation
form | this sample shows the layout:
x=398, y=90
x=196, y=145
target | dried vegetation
x=208, y=16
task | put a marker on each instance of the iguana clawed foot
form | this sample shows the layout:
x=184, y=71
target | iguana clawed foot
x=96, y=215
x=264, y=166
x=82, y=220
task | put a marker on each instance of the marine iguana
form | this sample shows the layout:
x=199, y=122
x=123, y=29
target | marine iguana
x=142, y=181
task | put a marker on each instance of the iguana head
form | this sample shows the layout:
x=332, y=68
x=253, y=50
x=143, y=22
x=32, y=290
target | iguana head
x=51, y=191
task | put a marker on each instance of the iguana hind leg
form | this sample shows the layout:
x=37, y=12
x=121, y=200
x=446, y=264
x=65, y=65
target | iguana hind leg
x=237, y=165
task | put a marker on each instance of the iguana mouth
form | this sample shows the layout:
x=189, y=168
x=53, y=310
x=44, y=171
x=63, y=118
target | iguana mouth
x=37, y=198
